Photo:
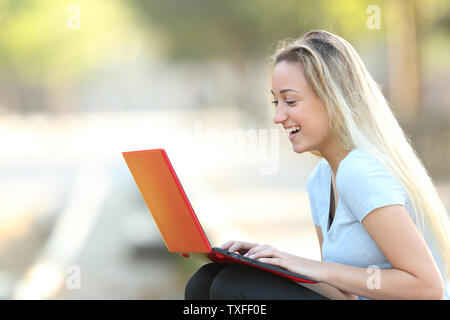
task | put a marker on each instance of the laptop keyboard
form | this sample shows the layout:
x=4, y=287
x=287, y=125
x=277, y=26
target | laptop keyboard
x=238, y=256
x=262, y=264
x=235, y=255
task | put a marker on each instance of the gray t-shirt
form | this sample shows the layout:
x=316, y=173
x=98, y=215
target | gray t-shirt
x=363, y=184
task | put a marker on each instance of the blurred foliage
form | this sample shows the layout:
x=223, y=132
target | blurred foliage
x=36, y=46
x=236, y=28
x=36, y=43
x=434, y=34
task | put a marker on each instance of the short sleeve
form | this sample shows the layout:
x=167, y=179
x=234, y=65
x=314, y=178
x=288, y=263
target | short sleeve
x=310, y=185
x=366, y=184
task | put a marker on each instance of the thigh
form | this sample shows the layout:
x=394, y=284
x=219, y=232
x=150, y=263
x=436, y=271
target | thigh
x=240, y=282
x=198, y=286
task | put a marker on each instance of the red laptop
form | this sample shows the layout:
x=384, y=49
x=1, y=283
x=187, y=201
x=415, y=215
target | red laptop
x=174, y=216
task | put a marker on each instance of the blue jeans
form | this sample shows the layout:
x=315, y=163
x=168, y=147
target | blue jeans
x=222, y=281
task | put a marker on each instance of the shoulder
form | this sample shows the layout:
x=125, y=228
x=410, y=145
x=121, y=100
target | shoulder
x=365, y=184
x=362, y=167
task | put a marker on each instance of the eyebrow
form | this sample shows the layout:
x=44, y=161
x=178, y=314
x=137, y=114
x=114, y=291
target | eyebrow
x=284, y=90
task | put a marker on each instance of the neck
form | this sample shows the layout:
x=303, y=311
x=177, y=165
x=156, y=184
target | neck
x=334, y=156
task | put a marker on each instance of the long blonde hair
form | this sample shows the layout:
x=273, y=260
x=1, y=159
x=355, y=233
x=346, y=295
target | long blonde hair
x=360, y=117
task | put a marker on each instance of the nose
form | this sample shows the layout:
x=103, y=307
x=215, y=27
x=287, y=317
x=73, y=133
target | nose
x=279, y=116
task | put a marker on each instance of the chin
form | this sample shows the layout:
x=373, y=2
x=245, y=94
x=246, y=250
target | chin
x=298, y=149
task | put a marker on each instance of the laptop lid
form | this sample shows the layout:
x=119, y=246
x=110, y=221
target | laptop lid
x=167, y=201
x=174, y=216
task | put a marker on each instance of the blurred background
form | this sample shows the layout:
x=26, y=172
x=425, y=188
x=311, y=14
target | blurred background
x=81, y=81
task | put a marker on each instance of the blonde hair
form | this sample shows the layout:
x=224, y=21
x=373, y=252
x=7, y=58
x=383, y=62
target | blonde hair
x=360, y=117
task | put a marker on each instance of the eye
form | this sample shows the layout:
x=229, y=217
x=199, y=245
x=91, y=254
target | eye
x=275, y=102
x=290, y=102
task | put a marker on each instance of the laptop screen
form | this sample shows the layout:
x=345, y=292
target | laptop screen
x=167, y=201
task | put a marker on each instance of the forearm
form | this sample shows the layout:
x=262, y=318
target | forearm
x=372, y=283
x=329, y=291
x=378, y=284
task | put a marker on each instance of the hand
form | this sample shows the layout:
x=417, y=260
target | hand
x=240, y=247
x=267, y=254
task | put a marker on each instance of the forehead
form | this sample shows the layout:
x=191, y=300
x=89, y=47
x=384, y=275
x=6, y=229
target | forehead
x=288, y=75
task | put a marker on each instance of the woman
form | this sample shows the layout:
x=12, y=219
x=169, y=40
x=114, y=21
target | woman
x=382, y=229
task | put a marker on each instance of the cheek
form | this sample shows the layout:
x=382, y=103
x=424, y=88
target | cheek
x=312, y=117
x=316, y=124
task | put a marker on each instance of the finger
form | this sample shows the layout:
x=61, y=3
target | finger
x=235, y=247
x=242, y=247
x=227, y=244
x=276, y=261
x=256, y=249
x=264, y=253
x=246, y=246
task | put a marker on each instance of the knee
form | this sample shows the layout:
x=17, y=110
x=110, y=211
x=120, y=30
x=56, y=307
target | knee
x=198, y=285
x=230, y=283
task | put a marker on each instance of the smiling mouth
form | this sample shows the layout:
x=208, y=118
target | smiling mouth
x=293, y=134
x=293, y=129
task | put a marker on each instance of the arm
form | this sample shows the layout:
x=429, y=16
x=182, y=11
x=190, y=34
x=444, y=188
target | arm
x=414, y=274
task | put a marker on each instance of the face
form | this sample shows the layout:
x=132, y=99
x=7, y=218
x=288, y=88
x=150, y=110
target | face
x=296, y=105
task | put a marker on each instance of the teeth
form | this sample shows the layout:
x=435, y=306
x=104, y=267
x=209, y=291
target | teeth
x=289, y=130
